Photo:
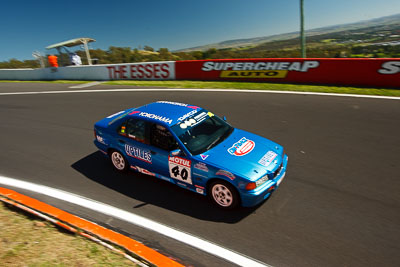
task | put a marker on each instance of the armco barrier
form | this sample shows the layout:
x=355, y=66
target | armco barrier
x=352, y=72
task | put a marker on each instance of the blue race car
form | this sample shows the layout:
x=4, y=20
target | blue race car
x=194, y=149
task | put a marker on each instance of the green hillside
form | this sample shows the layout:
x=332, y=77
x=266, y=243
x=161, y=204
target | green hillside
x=240, y=43
x=377, y=38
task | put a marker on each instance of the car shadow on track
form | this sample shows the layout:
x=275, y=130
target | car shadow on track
x=150, y=190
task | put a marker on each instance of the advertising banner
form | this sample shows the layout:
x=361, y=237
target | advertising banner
x=354, y=72
x=341, y=71
x=142, y=71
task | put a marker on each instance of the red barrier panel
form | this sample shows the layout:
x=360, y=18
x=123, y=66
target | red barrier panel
x=334, y=71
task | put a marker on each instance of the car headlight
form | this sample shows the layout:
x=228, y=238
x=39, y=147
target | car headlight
x=254, y=185
x=262, y=180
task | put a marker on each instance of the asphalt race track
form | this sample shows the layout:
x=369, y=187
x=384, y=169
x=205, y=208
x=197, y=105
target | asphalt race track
x=339, y=204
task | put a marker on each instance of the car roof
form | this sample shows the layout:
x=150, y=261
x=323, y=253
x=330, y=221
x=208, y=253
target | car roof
x=165, y=112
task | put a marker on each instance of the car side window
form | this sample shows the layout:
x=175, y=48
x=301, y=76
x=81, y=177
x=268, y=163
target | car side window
x=162, y=138
x=134, y=129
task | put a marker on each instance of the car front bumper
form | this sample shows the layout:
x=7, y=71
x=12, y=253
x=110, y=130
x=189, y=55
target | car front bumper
x=256, y=196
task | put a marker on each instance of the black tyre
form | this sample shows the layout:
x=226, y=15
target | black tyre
x=223, y=194
x=118, y=161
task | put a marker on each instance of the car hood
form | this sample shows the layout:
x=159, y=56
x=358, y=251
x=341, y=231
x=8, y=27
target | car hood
x=245, y=154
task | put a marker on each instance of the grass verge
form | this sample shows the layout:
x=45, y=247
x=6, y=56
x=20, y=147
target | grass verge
x=262, y=86
x=246, y=86
x=55, y=81
x=28, y=241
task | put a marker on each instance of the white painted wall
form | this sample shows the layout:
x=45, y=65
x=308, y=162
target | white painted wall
x=164, y=70
x=23, y=74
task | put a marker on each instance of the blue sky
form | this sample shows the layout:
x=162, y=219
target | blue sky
x=26, y=26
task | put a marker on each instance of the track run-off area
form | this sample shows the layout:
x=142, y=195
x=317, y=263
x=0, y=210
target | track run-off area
x=338, y=204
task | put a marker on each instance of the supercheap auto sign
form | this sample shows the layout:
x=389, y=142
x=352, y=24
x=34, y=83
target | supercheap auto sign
x=257, y=69
x=344, y=71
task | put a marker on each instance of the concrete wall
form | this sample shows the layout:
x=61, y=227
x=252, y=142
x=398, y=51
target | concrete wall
x=24, y=74
x=130, y=71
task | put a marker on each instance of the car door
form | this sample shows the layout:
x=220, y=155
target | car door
x=179, y=168
x=133, y=141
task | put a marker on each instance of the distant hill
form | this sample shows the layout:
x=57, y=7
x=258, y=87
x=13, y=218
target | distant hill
x=236, y=43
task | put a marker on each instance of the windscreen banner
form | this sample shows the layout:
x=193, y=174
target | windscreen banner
x=352, y=72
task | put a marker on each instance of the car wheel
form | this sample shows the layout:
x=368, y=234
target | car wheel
x=223, y=194
x=118, y=161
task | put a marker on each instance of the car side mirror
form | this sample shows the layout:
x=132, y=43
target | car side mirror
x=175, y=152
x=224, y=118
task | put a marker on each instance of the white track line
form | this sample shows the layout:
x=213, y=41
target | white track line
x=196, y=90
x=186, y=238
x=84, y=85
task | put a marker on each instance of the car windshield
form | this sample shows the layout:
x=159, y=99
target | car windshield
x=202, y=132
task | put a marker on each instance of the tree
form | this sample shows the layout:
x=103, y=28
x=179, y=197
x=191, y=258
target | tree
x=119, y=54
x=101, y=55
x=17, y=64
x=197, y=54
x=164, y=54
x=209, y=53
x=148, y=48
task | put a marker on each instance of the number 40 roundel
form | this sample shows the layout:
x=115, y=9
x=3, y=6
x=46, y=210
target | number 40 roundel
x=179, y=168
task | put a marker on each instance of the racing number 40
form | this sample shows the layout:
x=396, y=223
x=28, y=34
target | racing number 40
x=183, y=173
